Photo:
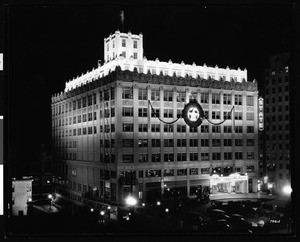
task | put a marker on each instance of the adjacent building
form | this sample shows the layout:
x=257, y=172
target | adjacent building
x=108, y=142
x=275, y=159
x=21, y=195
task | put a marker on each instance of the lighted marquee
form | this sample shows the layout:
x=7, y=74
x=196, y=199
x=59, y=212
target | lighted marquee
x=193, y=113
x=215, y=179
x=260, y=113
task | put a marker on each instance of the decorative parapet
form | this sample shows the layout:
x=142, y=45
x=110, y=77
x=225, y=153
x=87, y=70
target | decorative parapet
x=133, y=76
x=156, y=67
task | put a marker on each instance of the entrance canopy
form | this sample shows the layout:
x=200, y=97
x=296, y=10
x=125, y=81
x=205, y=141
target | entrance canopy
x=232, y=178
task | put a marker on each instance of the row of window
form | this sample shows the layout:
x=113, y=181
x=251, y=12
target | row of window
x=127, y=93
x=169, y=157
x=155, y=128
x=279, y=99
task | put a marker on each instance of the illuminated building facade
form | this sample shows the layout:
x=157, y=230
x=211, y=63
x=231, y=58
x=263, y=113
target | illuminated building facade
x=21, y=195
x=275, y=167
x=108, y=143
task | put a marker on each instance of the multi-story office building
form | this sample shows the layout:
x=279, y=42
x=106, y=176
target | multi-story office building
x=108, y=142
x=275, y=167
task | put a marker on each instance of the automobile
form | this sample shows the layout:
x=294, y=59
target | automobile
x=216, y=214
x=201, y=199
x=239, y=224
x=194, y=218
x=218, y=226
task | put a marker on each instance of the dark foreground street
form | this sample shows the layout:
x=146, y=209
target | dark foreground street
x=256, y=214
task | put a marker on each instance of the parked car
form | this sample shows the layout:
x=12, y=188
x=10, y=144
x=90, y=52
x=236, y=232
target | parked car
x=216, y=214
x=201, y=199
x=239, y=224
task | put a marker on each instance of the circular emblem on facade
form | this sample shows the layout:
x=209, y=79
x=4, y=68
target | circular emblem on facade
x=193, y=113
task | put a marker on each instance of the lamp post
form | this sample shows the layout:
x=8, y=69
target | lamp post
x=50, y=197
x=131, y=202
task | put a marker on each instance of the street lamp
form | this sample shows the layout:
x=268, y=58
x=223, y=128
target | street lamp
x=287, y=190
x=50, y=197
x=131, y=202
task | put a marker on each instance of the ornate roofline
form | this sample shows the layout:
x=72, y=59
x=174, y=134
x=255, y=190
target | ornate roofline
x=134, y=76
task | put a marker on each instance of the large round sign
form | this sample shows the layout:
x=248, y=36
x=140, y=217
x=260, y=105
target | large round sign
x=193, y=113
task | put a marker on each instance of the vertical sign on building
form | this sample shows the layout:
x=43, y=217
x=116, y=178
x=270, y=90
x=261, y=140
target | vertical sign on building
x=260, y=114
x=1, y=61
x=1, y=165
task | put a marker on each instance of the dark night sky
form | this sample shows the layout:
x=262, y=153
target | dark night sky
x=50, y=45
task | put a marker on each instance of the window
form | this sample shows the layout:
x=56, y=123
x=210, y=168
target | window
x=204, y=97
x=250, y=142
x=169, y=172
x=127, y=93
x=90, y=117
x=95, y=129
x=79, y=103
x=168, y=157
x=143, y=142
x=134, y=55
x=227, y=129
x=181, y=128
x=127, y=127
x=193, y=142
x=123, y=43
x=168, y=96
x=181, y=142
x=193, y=171
x=128, y=158
x=155, y=95
x=204, y=142
x=90, y=130
x=143, y=112
x=238, y=115
x=215, y=114
x=249, y=100
x=205, y=170
x=90, y=100
x=143, y=158
x=155, y=127
x=74, y=105
x=238, y=155
x=238, y=100
x=168, y=113
x=181, y=157
x=127, y=112
x=216, y=142
x=143, y=127
x=181, y=96
x=153, y=173
x=250, y=116
x=155, y=112
x=74, y=132
x=227, y=142
x=84, y=131
x=227, y=99
x=95, y=98
x=155, y=158
x=135, y=44
x=193, y=129
x=74, y=120
x=79, y=131
x=168, y=143
x=127, y=143
x=106, y=95
x=143, y=94
x=181, y=172
x=238, y=142
x=250, y=129
x=216, y=129
x=168, y=128
x=193, y=156
x=155, y=142
x=250, y=155
x=216, y=98
x=227, y=155
x=84, y=118
x=204, y=129
x=141, y=174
